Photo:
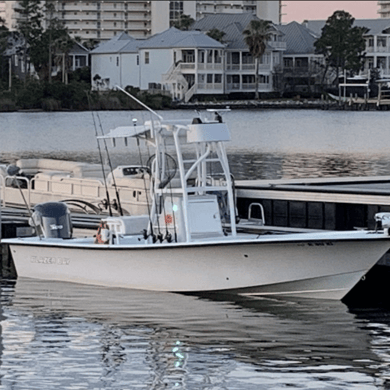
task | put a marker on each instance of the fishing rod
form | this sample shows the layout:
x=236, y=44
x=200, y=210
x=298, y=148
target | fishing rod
x=109, y=163
x=101, y=157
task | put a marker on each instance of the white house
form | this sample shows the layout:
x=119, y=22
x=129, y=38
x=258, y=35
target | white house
x=239, y=64
x=188, y=63
x=377, y=42
x=116, y=62
x=173, y=60
x=181, y=61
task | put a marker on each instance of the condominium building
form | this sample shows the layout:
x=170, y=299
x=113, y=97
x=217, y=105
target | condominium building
x=269, y=10
x=384, y=9
x=102, y=20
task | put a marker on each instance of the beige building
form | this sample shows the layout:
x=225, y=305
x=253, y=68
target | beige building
x=102, y=20
x=269, y=10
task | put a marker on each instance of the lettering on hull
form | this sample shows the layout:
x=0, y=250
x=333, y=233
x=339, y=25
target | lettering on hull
x=49, y=260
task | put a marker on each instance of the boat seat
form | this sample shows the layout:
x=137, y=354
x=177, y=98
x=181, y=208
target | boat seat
x=31, y=166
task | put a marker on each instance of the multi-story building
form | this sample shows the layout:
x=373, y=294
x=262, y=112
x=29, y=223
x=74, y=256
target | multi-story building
x=384, y=9
x=269, y=10
x=102, y=20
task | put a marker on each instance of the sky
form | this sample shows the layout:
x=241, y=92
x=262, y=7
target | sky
x=317, y=9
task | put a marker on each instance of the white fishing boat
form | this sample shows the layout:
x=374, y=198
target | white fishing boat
x=85, y=187
x=189, y=241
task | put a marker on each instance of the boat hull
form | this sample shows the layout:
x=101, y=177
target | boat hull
x=317, y=269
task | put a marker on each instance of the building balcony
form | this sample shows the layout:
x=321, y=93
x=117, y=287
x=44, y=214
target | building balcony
x=209, y=88
x=248, y=87
x=246, y=67
x=276, y=45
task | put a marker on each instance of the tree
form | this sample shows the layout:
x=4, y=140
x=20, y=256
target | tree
x=29, y=25
x=256, y=36
x=45, y=46
x=342, y=44
x=216, y=34
x=184, y=22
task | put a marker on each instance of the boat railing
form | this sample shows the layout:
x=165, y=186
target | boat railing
x=2, y=187
x=260, y=221
x=12, y=179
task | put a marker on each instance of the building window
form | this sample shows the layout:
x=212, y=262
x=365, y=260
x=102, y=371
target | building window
x=201, y=56
x=209, y=56
x=381, y=41
x=117, y=61
x=217, y=57
x=146, y=57
x=218, y=78
x=137, y=59
x=209, y=79
x=175, y=11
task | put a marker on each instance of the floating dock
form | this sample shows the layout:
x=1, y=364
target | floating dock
x=320, y=203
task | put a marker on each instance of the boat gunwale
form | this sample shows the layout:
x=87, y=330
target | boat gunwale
x=317, y=241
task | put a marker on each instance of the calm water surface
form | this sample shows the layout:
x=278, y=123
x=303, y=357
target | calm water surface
x=64, y=336
x=265, y=144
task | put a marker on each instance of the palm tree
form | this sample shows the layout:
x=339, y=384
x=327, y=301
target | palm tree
x=256, y=35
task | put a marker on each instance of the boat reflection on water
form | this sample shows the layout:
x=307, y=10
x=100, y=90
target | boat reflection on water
x=77, y=336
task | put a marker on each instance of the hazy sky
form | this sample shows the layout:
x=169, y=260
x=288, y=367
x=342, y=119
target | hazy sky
x=318, y=9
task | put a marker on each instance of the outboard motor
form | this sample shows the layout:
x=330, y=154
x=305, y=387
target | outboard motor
x=52, y=219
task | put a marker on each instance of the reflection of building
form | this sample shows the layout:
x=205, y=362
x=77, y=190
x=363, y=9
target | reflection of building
x=102, y=20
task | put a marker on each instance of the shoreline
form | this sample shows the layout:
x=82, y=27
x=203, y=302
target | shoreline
x=315, y=104
x=238, y=104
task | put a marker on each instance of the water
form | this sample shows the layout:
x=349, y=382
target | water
x=267, y=144
x=59, y=335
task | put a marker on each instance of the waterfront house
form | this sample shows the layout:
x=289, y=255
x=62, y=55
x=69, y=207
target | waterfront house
x=377, y=43
x=115, y=63
x=182, y=62
x=239, y=69
x=302, y=68
x=172, y=61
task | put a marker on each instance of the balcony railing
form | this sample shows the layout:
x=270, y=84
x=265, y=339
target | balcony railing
x=277, y=45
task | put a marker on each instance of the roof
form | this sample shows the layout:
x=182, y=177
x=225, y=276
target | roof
x=222, y=21
x=178, y=38
x=375, y=26
x=114, y=45
x=78, y=48
x=232, y=25
x=299, y=39
x=172, y=37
